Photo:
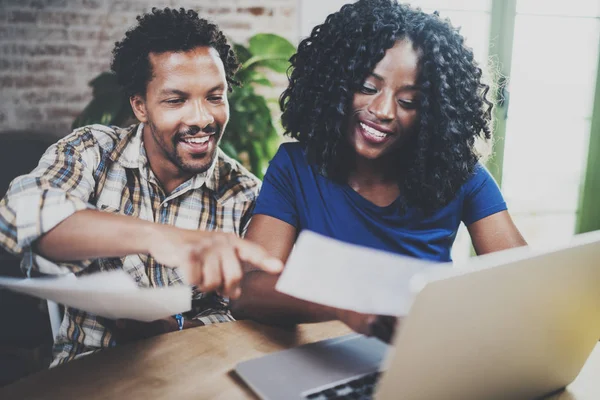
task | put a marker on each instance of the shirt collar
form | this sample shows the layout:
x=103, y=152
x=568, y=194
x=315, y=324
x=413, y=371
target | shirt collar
x=126, y=152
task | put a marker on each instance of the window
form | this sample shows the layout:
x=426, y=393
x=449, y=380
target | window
x=552, y=84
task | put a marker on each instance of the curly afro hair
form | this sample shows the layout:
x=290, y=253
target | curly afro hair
x=166, y=30
x=333, y=62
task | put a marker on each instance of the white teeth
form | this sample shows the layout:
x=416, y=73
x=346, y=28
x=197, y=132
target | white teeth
x=197, y=140
x=373, y=131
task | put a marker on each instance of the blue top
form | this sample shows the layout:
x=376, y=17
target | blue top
x=294, y=192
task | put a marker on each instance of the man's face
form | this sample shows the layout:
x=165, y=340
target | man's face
x=185, y=111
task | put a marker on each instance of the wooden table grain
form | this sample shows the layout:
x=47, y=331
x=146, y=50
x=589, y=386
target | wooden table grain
x=194, y=363
x=198, y=364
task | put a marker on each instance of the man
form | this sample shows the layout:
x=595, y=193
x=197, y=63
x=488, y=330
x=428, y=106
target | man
x=158, y=199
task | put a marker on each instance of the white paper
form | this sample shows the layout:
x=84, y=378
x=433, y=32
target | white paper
x=111, y=294
x=337, y=274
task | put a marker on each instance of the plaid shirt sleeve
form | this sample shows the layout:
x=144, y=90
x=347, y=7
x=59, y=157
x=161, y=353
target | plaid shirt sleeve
x=246, y=217
x=58, y=187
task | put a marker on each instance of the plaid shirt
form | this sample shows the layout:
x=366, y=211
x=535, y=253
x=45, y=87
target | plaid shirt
x=106, y=168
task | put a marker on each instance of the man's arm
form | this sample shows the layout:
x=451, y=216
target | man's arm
x=211, y=260
x=89, y=234
x=58, y=187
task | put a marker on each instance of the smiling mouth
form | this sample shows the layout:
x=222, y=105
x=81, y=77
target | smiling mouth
x=197, y=145
x=373, y=135
x=196, y=140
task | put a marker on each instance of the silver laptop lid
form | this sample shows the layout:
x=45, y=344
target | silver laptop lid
x=520, y=329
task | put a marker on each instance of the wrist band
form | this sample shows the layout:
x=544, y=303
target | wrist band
x=179, y=319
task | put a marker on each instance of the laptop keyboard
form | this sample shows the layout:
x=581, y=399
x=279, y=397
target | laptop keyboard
x=360, y=389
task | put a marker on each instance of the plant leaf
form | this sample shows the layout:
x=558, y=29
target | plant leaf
x=229, y=149
x=101, y=110
x=259, y=79
x=256, y=159
x=242, y=53
x=271, y=51
x=104, y=84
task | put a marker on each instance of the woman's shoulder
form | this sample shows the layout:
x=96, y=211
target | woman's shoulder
x=292, y=148
x=479, y=179
x=290, y=153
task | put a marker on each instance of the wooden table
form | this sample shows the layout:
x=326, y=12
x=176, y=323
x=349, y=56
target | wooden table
x=195, y=363
x=198, y=364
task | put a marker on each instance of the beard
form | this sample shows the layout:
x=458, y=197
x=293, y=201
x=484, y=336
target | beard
x=191, y=164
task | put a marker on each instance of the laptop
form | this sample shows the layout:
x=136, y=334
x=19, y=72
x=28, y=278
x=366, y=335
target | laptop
x=521, y=324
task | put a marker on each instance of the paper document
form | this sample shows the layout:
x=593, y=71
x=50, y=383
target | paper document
x=337, y=274
x=111, y=294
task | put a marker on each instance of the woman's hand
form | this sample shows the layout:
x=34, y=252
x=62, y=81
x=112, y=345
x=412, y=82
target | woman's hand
x=382, y=327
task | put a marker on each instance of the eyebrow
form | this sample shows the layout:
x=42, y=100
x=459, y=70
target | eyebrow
x=178, y=92
x=405, y=87
x=378, y=77
x=173, y=91
x=220, y=86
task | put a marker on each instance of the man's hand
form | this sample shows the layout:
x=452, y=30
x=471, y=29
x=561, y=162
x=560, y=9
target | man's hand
x=382, y=327
x=209, y=260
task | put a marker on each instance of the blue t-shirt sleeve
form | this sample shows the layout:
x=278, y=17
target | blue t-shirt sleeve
x=276, y=198
x=482, y=196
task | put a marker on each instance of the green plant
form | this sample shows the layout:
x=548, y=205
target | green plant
x=109, y=105
x=251, y=135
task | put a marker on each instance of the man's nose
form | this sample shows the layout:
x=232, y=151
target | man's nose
x=200, y=116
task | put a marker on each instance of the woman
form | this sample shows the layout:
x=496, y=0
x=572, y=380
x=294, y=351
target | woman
x=386, y=103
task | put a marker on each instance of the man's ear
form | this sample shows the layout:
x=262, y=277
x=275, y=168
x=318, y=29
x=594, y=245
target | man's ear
x=138, y=105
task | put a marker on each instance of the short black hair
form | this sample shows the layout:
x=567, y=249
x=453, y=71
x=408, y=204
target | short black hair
x=166, y=30
x=332, y=64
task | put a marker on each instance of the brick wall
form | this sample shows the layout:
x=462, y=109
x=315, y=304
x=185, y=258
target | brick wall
x=51, y=49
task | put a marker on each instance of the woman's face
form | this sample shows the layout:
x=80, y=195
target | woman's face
x=385, y=108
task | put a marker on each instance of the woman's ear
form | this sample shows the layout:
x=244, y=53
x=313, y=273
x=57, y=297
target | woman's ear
x=138, y=105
